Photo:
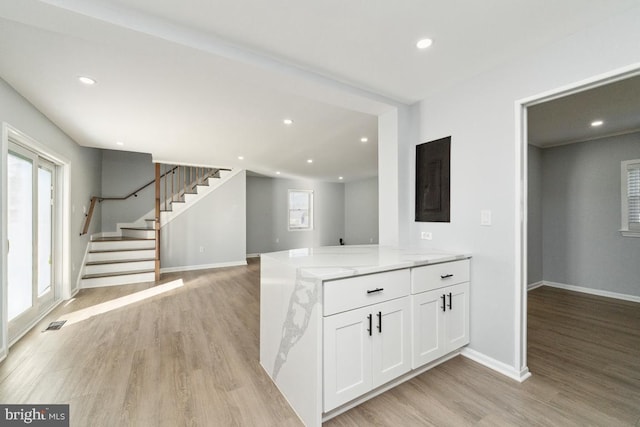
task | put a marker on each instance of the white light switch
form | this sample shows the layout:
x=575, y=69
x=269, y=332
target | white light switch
x=485, y=217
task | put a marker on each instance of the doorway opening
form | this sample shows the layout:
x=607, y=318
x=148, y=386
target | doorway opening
x=35, y=220
x=523, y=200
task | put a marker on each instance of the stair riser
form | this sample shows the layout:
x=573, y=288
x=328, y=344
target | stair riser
x=122, y=244
x=115, y=256
x=119, y=280
x=119, y=267
x=139, y=234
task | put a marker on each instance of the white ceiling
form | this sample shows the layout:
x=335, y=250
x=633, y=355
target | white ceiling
x=568, y=119
x=203, y=81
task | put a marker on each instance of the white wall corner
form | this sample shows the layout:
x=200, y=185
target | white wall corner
x=388, y=173
x=496, y=365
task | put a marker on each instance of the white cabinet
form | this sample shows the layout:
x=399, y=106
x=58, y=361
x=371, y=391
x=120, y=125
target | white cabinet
x=365, y=348
x=440, y=322
x=440, y=314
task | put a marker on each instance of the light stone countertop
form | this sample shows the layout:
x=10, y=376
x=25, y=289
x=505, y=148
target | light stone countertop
x=337, y=262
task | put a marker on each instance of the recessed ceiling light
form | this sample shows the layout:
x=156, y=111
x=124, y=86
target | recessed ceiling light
x=424, y=43
x=287, y=121
x=364, y=139
x=277, y=172
x=86, y=80
x=119, y=143
x=596, y=123
x=240, y=157
x=340, y=177
x=309, y=160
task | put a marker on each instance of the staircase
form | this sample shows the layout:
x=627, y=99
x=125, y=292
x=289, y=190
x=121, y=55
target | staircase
x=129, y=255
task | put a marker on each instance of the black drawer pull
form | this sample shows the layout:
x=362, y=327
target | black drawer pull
x=450, y=299
x=446, y=276
x=380, y=322
x=370, y=325
x=444, y=302
x=373, y=291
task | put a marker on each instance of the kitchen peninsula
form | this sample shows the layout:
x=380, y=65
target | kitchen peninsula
x=339, y=325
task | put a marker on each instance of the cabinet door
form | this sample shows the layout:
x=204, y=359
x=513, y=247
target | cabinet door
x=392, y=340
x=457, y=317
x=347, y=356
x=428, y=327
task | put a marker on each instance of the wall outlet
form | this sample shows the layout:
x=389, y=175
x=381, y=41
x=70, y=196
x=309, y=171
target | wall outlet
x=277, y=240
x=426, y=235
x=201, y=249
x=370, y=239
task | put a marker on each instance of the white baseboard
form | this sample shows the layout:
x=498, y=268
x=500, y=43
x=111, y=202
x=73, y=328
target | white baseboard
x=36, y=321
x=253, y=255
x=73, y=291
x=591, y=291
x=202, y=266
x=532, y=286
x=496, y=365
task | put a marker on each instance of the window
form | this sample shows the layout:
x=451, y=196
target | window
x=630, y=174
x=300, y=210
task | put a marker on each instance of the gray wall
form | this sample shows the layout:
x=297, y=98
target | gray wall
x=217, y=224
x=361, y=211
x=122, y=173
x=534, y=216
x=85, y=167
x=581, y=216
x=480, y=115
x=267, y=215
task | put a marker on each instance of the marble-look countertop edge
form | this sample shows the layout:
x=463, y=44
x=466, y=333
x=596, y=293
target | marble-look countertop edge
x=361, y=271
x=345, y=271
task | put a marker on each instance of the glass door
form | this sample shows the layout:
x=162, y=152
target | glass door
x=30, y=219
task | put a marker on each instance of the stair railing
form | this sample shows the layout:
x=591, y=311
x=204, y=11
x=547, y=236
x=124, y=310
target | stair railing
x=172, y=183
x=177, y=181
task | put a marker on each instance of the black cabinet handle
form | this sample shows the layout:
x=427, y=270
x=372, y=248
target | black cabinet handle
x=446, y=276
x=450, y=299
x=373, y=291
x=370, y=324
x=444, y=302
x=380, y=322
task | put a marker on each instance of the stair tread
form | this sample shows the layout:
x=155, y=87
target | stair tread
x=120, y=239
x=115, y=274
x=137, y=228
x=122, y=250
x=119, y=261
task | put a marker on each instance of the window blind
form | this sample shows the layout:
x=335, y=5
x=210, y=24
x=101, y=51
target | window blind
x=633, y=195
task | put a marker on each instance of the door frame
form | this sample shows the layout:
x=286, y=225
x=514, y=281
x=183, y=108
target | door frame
x=62, y=218
x=521, y=198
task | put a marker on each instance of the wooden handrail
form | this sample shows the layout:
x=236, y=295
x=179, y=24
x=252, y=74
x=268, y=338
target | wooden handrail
x=157, y=180
x=88, y=216
x=134, y=193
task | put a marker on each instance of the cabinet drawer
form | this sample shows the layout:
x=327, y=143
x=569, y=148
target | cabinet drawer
x=436, y=276
x=346, y=294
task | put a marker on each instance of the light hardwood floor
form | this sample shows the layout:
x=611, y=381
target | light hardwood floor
x=189, y=356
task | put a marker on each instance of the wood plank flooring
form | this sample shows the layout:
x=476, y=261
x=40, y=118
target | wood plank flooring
x=189, y=357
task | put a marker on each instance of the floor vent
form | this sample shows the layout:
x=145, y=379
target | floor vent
x=54, y=326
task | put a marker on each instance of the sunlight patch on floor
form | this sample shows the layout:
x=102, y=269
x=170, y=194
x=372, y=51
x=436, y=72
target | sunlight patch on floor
x=86, y=313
